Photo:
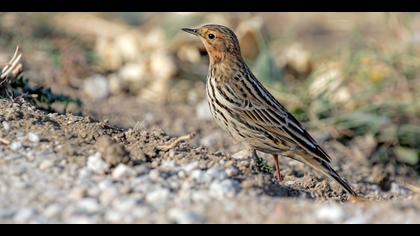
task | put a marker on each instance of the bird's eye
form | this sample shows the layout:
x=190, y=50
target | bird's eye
x=211, y=36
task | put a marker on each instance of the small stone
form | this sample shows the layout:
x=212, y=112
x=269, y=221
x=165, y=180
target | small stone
x=163, y=65
x=331, y=213
x=15, y=146
x=154, y=174
x=181, y=216
x=158, y=196
x=233, y=171
x=242, y=155
x=203, y=111
x=217, y=173
x=46, y=165
x=81, y=219
x=211, y=140
x=190, y=167
x=33, y=137
x=122, y=171
x=6, y=126
x=181, y=174
x=96, y=164
x=168, y=165
x=113, y=216
x=77, y=193
x=198, y=176
x=24, y=215
x=52, y=210
x=132, y=72
x=108, y=195
x=89, y=205
x=398, y=189
x=124, y=205
x=96, y=87
x=225, y=188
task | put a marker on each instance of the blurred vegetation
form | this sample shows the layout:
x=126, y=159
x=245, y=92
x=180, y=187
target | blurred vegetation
x=43, y=97
x=349, y=76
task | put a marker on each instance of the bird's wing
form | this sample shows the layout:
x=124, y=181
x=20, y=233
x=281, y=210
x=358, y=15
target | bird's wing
x=256, y=105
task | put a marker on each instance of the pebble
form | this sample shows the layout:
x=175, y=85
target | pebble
x=225, y=188
x=52, y=210
x=216, y=173
x=198, y=176
x=108, y=195
x=24, y=215
x=89, y=205
x=154, y=174
x=113, y=216
x=232, y=171
x=96, y=164
x=181, y=216
x=46, y=164
x=190, y=167
x=398, y=189
x=211, y=140
x=77, y=193
x=124, y=205
x=158, y=196
x=203, y=110
x=133, y=72
x=15, y=146
x=33, y=137
x=6, y=126
x=96, y=87
x=330, y=213
x=122, y=171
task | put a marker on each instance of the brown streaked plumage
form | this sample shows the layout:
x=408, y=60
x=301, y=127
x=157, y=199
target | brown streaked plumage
x=249, y=113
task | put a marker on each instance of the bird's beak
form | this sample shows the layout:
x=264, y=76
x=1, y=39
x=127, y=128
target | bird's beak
x=191, y=31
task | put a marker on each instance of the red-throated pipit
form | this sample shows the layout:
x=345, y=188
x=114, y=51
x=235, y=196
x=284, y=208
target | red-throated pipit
x=249, y=113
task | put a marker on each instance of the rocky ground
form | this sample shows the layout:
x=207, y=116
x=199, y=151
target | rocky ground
x=143, y=147
x=72, y=169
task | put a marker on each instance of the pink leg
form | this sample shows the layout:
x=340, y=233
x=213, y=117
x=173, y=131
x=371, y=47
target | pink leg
x=278, y=174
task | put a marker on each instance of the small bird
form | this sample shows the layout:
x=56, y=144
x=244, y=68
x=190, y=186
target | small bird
x=246, y=110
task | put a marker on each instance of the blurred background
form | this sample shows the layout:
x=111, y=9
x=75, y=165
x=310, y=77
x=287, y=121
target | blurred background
x=353, y=79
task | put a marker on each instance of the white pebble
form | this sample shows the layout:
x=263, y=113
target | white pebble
x=96, y=87
x=122, y=171
x=216, y=173
x=125, y=205
x=89, y=205
x=225, y=188
x=198, y=176
x=96, y=164
x=168, y=165
x=190, y=167
x=181, y=216
x=6, y=126
x=52, y=210
x=330, y=213
x=46, y=164
x=203, y=110
x=114, y=216
x=23, y=215
x=158, y=196
x=108, y=195
x=33, y=137
x=16, y=146
x=232, y=171
x=154, y=174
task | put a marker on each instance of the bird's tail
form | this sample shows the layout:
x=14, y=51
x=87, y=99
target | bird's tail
x=326, y=169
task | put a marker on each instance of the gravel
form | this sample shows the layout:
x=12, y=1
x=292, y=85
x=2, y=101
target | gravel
x=65, y=179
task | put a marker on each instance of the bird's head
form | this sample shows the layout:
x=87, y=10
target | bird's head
x=220, y=42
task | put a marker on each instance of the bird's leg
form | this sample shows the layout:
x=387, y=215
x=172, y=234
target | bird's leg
x=276, y=163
